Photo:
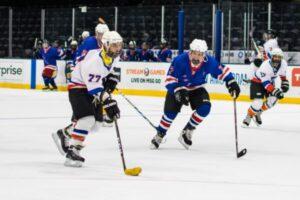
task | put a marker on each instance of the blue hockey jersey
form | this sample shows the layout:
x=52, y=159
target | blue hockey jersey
x=146, y=55
x=181, y=74
x=164, y=54
x=88, y=44
x=50, y=55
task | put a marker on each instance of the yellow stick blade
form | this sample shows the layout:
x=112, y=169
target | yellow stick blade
x=133, y=171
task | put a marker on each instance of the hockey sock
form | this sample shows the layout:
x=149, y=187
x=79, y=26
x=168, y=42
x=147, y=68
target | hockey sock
x=46, y=81
x=166, y=122
x=197, y=117
x=81, y=129
x=252, y=111
x=52, y=82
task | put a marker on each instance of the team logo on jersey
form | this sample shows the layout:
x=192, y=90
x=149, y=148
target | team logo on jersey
x=296, y=77
x=262, y=74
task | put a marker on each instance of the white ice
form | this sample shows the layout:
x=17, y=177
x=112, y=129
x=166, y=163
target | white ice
x=31, y=167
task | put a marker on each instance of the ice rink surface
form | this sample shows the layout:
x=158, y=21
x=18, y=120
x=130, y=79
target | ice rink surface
x=31, y=167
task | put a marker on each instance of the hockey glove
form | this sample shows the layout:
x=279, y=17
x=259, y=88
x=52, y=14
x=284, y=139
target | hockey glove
x=277, y=93
x=110, y=83
x=182, y=96
x=257, y=62
x=285, y=86
x=111, y=108
x=233, y=88
x=96, y=101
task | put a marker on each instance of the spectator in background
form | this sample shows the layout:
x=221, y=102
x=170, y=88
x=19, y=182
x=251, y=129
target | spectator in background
x=165, y=54
x=146, y=54
x=132, y=53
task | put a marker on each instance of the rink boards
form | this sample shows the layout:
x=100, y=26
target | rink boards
x=137, y=78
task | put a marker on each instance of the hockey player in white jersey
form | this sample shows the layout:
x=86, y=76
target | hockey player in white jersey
x=87, y=89
x=270, y=41
x=263, y=86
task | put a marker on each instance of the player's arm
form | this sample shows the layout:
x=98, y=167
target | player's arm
x=221, y=72
x=284, y=82
x=171, y=81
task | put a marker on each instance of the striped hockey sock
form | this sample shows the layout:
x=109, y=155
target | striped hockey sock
x=78, y=136
x=198, y=116
x=194, y=121
x=252, y=111
x=166, y=122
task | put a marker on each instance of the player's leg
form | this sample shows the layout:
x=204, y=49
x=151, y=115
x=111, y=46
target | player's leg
x=62, y=138
x=201, y=105
x=83, y=110
x=269, y=103
x=52, y=80
x=171, y=109
x=46, y=82
x=257, y=94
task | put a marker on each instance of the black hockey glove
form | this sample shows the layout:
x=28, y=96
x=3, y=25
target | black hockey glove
x=111, y=108
x=182, y=96
x=285, y=86
x=110, y=83
x=257, y=62
x=233, y=88
x=277, y=93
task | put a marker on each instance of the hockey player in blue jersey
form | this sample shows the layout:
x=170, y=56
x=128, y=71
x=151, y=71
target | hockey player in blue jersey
x=92, y=42
x=165, y=54
x=50, y=55
x=185, y=85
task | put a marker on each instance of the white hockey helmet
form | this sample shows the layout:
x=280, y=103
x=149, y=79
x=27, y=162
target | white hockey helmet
x=74, y=42
x=85, y=34
x=111, y=37
x=277, y=52
x=101, y=28
x=198, y=45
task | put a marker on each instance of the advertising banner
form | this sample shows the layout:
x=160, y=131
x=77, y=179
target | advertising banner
x=15, y=71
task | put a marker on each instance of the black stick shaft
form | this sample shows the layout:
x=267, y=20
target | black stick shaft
x=235, y=127
x=120, y=144
x=137, y=109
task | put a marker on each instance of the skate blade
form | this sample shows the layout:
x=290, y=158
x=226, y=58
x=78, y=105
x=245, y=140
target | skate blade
x=72, y=163
x=153, y=147
x=58, y=144
x=245, y=125
x=186, y=146
x=256, y=123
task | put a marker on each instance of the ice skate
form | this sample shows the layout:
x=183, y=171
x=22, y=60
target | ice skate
x=246, y=121
x=46, y=88
x=185, y=138
x=62, y=140
x=54, y=88
x=156, y=141
x=73, y=158
x=257, y=119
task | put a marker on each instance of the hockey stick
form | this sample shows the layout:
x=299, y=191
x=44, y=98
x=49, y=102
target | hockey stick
x=136, y=108
x=133, y=171
x=244, y=151
x=254, y=43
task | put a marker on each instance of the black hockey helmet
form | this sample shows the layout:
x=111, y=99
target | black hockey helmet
x=271, y=33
